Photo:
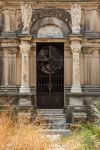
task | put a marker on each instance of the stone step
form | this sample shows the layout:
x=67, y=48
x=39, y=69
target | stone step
x=50, y=111
x=54, y=121
x=54, y=116
x=63, y=132
x=56, y=126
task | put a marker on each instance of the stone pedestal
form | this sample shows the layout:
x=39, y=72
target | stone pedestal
x=25, y=49
x=76, y=48
x=76, y=107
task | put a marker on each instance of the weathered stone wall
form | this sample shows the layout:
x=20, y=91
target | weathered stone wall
x=89, y=57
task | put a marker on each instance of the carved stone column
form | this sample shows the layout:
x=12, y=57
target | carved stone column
x=5, y=67
x=76, y=48
x=7, y=20
x=25, y=49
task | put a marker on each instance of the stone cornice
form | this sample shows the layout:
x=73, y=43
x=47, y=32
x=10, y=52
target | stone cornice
x=37, y=1
x=9, y=42
x=37, y=4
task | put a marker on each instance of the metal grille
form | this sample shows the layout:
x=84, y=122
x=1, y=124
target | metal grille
x=50, y=75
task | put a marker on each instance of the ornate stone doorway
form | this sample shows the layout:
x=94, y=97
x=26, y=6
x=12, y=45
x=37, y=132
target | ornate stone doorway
x=50, y=75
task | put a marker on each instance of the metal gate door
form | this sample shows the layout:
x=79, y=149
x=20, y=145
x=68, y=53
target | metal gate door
x=50, y=75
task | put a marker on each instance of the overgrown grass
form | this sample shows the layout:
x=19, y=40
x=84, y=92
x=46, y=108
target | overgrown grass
x=21, y=134
x=98, y=105
x=16, y=135
x=87, y=137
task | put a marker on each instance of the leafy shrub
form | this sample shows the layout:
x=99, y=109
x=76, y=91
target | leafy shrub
x=98, y=105
x=86, y=138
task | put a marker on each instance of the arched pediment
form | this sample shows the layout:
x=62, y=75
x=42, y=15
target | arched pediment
x=51, y=12
x=47, y=15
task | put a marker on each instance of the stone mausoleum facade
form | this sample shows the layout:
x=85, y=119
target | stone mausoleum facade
x=50, y=54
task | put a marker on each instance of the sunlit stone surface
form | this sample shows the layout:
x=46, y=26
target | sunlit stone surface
x=51, y=31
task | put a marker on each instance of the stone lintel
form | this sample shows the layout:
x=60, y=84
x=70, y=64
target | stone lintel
x=25, y=37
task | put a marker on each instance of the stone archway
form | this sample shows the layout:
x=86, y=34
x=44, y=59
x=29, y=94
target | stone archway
x=51, y=16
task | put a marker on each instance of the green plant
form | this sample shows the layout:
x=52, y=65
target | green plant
x=98, y=105
x=90, y=135
x=86, y=138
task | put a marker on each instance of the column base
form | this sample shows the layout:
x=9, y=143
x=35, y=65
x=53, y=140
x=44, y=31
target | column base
x=76, y=89
x=25, y=89
x=76, y=110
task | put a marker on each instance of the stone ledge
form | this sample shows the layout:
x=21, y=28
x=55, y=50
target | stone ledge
x=79, y=117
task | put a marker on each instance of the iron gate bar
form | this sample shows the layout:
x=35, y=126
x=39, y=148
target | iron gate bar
x=50, y=77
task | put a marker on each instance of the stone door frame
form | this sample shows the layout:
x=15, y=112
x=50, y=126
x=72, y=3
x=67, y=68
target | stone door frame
x=53, y=40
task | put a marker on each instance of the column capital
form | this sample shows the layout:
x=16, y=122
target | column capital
x=6, y=11
x=75, y=47
x=25, y=44
x=25, y=47
x=9, y=50
x=5, y=51
x=75, y=43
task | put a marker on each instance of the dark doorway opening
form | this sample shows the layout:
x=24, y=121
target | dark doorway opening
x=50, y=75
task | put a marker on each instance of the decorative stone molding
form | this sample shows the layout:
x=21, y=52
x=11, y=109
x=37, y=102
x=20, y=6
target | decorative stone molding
x=88, y=50
x=9, y=43
x=52, y=3
x=12, y=50
x=25, y=47
x=50, y=13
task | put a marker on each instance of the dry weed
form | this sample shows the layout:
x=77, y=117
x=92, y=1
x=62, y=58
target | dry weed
x=21, y=136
